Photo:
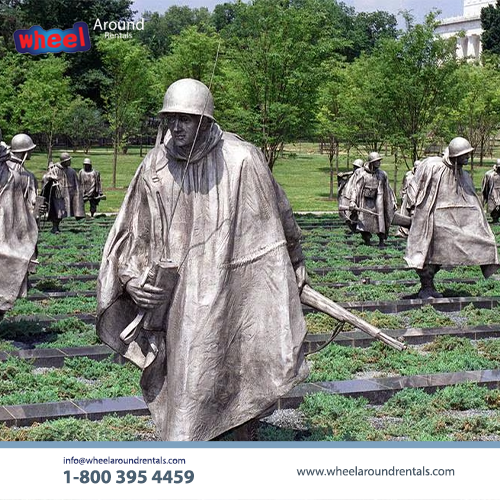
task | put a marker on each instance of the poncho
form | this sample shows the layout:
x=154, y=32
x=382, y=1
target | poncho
x=61, y=188
x=449, y=226
x=18, y=235
x=491, y=190
x=371, y=191
x=233, y=334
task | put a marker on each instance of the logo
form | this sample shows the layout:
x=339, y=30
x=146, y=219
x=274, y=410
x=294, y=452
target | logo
x=38, y=41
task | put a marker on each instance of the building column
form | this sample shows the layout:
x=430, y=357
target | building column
x=474, y=46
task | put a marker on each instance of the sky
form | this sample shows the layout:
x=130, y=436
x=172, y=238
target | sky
x=419, y=8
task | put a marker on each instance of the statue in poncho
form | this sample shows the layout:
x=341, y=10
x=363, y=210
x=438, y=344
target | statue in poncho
x=90, y=182
x=21, y=148
x=342, y=180
x=491, y=191
x=18, y=232
x=199, y=279
x=372, y=202
x=449, y=226
x=61, y=189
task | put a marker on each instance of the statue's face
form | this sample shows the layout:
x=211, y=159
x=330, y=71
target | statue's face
x=183, y=128
x=463, y=159
x=375, y=165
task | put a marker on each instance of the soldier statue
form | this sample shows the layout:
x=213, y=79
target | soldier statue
x=202, y=273
x=62, y=191
x=449, y=226
x=21, y=147
x=18, y=232
x=491, y=191
x=342, y=180
x=90, y=182
x=372, y=202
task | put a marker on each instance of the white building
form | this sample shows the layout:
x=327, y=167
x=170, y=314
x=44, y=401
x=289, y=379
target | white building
x=470, y=44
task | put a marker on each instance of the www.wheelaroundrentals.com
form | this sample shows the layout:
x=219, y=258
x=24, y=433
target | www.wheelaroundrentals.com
x=423, y=471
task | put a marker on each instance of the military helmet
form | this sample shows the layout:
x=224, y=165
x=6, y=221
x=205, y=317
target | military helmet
x=87, y=161
x=64, y=157
x=498, y=162
x=373, y=156
x=188, y=96
x=21, y=143
x=357, y=163
x=458, y=147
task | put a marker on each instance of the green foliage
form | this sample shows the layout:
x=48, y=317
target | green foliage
x=276, y=49
x=126, y=96
x=490, y=23
x=71, y=332
x=110, y=428
x=80, y=378
x=426, y=317
x=409, y=402
x=478, y=113
x=160, y=29
x=42, y=103
x=336, y=362
x=461, y=397
x=337, y=418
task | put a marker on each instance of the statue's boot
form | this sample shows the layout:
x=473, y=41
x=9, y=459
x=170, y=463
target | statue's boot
x=427, y=288
x=381, y=240
x=366, y=238
x=55, y=228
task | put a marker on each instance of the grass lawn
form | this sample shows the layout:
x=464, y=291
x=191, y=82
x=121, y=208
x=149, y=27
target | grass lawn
x=303, y=172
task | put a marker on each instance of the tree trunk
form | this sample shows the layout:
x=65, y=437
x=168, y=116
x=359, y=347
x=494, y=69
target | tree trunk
x=337, y=159
x=396, y=159
x=115, y=155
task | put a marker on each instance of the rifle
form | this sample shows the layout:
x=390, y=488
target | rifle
x=398, y=219
x=312, y=298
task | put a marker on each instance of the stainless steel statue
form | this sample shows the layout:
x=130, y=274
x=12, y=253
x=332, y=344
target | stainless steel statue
x=405, y=210
x=449, y=226
x=21, y=147
x=18, y=232
x=90, y=182
x=372, y=202
x=200, y=277
x=61, y=189
x=342, y=180
x=490, y=190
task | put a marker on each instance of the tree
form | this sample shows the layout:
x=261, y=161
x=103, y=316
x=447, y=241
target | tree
x=193, y=56
x=160, y=29
x=85, y=68
x=126, y=96
x=365, y=30
x=477, y=115
x=490, y=22
x=85, y=122
x=332, y=126
x=13, y=70
x=418, y=71
x=276, y=48
x=42, y=103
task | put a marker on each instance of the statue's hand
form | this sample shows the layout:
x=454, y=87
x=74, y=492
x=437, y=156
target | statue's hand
x=301, y=275
x=146, y=296
x=353, y=207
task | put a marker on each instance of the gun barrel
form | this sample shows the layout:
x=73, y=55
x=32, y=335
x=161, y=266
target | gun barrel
x=315, y=299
